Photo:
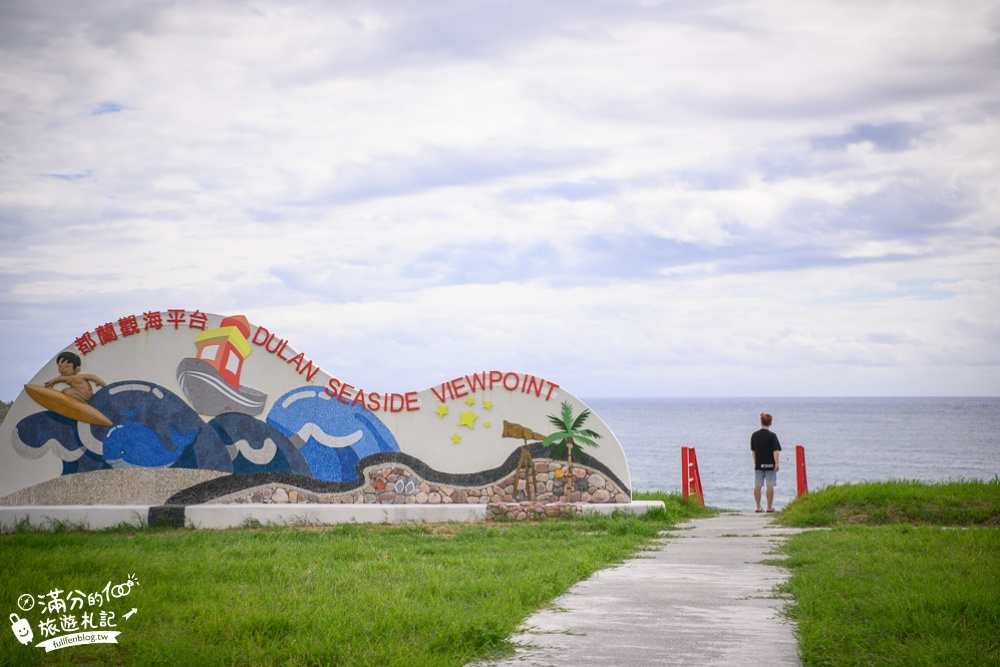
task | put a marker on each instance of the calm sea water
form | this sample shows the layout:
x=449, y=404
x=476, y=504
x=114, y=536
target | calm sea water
x=845, y=440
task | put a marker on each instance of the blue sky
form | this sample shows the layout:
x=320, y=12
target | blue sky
x=626, y=198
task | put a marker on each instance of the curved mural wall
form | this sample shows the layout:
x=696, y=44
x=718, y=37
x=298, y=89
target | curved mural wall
x=183, y=407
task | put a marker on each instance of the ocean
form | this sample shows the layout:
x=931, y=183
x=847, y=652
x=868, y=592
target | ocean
x=845, y=440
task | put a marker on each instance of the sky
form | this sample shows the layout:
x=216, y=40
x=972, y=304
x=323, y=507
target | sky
x=713, y=198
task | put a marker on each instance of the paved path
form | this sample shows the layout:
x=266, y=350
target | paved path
x=703, y=598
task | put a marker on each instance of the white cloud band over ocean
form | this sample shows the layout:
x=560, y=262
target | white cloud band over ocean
x=628, y=198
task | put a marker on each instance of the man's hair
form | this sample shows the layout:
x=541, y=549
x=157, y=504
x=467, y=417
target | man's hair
x=765, y=419
x=71, y=357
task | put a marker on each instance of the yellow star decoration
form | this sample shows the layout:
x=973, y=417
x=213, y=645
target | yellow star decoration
x=486, y=424
x=468, y=419
x=442, y=410
x=456, y=438
x=488, y=405
x=470, y=401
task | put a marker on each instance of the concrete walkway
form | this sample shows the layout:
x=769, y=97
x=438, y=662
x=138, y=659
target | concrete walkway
x=703, y=598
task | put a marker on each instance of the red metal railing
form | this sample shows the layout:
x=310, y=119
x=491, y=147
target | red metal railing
x=800, y=471
x=690, y=477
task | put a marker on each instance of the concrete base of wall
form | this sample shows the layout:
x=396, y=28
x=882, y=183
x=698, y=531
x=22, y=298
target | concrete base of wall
x=99, y=517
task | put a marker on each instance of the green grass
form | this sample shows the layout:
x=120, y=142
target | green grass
x=379, y=595
x=909, y=574
x=883, y=503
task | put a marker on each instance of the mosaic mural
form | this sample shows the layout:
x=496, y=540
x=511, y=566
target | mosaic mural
x=183, y=391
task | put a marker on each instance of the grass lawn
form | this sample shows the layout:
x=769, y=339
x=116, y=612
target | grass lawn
x=373, y=595
x=909, y=574
x=885, y=503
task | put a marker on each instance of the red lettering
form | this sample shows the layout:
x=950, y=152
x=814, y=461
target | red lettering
x=438, y=396
x=176, y=317
x=495, y=377
x=374, y=401
x=391, y=404
x=267, y=336
x=552, y=388
x=344, y=389
x=481, y=377
x=129, y=325
x=152, y=320
x=412, y=401
x=276, y=346
x=198, y=320
x=458, y=385
x=531, y=383
x=333, y=387
x=106, y=333
x=359, y=398
x=309, y=370
x=297, y=360
x=517, y=381
x=85, y=343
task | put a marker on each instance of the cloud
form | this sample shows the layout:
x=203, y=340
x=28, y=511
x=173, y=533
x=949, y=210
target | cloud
x=631, y=198
x=892, y=137
x=106, y=107
x=71, y=177
x=432, y=167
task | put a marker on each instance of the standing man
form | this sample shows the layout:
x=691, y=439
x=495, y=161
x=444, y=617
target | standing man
x=766, y=450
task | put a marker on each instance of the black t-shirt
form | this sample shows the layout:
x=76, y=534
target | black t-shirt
x=765, y=444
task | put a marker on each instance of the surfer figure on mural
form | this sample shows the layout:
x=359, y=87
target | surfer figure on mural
x=79, y=387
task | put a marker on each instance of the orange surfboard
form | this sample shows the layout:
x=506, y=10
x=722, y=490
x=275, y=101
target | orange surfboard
x=60, y=403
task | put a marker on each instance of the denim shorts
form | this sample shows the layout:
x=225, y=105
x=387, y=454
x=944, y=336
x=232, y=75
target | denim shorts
x=761, y=476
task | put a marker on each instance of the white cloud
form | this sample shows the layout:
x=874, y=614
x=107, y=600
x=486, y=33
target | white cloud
x=721, y=198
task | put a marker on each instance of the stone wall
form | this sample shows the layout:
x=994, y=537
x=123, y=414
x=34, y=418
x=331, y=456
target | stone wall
x=527, y=511
x=399, y=484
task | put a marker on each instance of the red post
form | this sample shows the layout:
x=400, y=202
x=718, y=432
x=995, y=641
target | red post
x=685, y=485
x=690, y=477
x=800, y=470
x=696, y=478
